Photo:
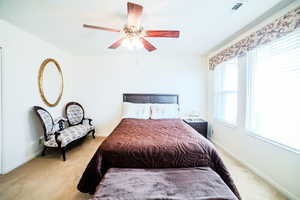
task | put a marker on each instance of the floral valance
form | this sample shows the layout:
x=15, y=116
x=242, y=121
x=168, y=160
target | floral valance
x=280, y=27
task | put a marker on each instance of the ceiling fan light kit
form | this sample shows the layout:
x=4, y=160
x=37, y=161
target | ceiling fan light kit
x=133, y=35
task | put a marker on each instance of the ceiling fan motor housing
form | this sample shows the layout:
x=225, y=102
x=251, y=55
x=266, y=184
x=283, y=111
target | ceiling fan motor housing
x=131, y=31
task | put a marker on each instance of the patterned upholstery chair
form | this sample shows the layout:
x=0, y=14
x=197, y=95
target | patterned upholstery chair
x=55, y=136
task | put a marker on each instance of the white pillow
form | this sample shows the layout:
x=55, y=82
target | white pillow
x=136, y=110
x=164, y=111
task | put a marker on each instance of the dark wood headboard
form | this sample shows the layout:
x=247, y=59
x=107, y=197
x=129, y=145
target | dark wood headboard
x=151, y=98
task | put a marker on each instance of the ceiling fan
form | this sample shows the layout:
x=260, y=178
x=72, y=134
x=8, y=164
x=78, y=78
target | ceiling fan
x=133, y=35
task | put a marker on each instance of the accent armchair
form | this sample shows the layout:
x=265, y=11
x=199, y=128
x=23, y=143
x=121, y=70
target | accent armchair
x=78, y=127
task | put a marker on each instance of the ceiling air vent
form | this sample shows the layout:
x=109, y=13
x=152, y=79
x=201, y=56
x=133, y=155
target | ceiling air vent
x=237, y=6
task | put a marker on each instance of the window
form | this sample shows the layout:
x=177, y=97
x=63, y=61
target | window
x=273, y=91
x=226, y=91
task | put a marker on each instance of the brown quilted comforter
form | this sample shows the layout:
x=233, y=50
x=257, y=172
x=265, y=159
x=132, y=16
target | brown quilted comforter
x=164, y=143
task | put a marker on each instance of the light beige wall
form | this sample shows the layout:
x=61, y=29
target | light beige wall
x=101, y=81
x=22, y=55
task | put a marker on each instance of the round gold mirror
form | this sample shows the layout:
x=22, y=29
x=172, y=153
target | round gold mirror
x=51, y=82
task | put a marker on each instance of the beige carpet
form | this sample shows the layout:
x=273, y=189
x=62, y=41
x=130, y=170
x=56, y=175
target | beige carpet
x=49, y=177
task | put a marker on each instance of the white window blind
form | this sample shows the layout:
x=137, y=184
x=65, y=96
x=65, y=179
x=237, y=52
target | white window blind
x=273, y=91
x=226, y=91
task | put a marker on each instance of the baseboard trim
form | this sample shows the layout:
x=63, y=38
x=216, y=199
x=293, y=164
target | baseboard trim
x=269, y=180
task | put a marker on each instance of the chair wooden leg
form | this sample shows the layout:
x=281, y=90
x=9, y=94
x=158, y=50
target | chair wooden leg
x=44, y=151
x=63, y=154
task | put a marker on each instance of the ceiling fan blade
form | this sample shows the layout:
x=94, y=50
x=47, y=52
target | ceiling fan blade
x=100, y=28
x=116, y=44
x=147, y=45
x=165, y=33
x=134, y=13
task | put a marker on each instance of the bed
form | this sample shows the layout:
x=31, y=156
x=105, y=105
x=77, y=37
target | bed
x=146, y=143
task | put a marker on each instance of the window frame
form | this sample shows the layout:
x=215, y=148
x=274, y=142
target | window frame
x=218, y=93
x=247, y=127
x=272, y=142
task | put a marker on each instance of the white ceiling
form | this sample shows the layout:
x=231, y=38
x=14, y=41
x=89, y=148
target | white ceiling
x=203, y=24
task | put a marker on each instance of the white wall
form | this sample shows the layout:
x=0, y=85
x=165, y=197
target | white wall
x=101, y=80
x=23, y=54
x=277, y=165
